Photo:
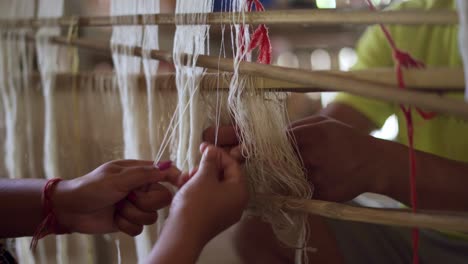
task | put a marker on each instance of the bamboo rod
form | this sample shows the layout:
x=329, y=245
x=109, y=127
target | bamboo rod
x=424, y=80
x=428, y=80
x=446, y=221
x=292, y=17
x=327, y=82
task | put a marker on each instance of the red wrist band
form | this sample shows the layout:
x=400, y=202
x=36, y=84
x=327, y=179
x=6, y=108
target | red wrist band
x=49, y=225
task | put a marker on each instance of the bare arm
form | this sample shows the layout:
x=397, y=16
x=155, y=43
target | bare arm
x=21, y=207
x=441, y=183
x=368, y=164
x=211, y=201
x=349, y=116
x=180, y=242
x=97, y=203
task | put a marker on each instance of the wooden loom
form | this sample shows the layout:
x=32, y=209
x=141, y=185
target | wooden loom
x=378, y=84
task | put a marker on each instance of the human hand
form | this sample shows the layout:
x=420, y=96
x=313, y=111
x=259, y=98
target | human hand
x=225, y=137
x=119, y=195
x=214, y=197
x=341, y=162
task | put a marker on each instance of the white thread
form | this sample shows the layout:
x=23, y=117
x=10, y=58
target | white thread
x=271, y=163
x=119, y=254
x=462, y=6
x=15, y=63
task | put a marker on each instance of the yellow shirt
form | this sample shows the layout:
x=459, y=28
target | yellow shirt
x=445, y=136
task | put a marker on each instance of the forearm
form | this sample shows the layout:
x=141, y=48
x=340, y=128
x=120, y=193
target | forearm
x=348, y=115
x=20, y=206
x=180, y=242
x=440, y=183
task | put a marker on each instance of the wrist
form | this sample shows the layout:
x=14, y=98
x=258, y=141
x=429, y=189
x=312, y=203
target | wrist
x=179, y=232
x=50, y=223
x=192, y=228
x=394, y=157
x=62, y=199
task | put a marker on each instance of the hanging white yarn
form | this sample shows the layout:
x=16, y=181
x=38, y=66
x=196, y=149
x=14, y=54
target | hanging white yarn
x=462, y=6
x=127, y=67
x=12, y=85
x=271, y=163
x=161, y=96
x=4, y=14
x=50, y=62
x=150, y=67
x=101, y=140
x=15, y=59
x=101, y=110
x=73, y=108
x=134, y=109
x=161, y=101
x=17, y=64
x=191, y=40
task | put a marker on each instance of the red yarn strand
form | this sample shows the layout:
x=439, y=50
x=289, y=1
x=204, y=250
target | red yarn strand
x=49, y=224
x=405, y=60
x=260, y=38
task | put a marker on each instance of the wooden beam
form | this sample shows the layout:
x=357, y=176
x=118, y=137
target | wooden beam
x=301, y=16
x=433, y=80
x=446, y=221
x=329, y=82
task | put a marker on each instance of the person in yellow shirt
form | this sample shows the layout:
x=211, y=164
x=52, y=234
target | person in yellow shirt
x=436, y=46
x=343, y=161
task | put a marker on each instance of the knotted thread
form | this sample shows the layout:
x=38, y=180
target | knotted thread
x=405, y=60
x=259, y=38
x=49, y=224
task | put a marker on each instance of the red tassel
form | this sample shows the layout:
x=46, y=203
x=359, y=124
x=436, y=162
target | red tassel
x=260, y=38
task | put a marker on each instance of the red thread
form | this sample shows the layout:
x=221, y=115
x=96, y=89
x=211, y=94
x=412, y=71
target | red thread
x=404, y=60
x=259, y=38
x=50, y=224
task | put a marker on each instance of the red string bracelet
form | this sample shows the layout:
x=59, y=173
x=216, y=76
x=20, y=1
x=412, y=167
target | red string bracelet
x=50, y=224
